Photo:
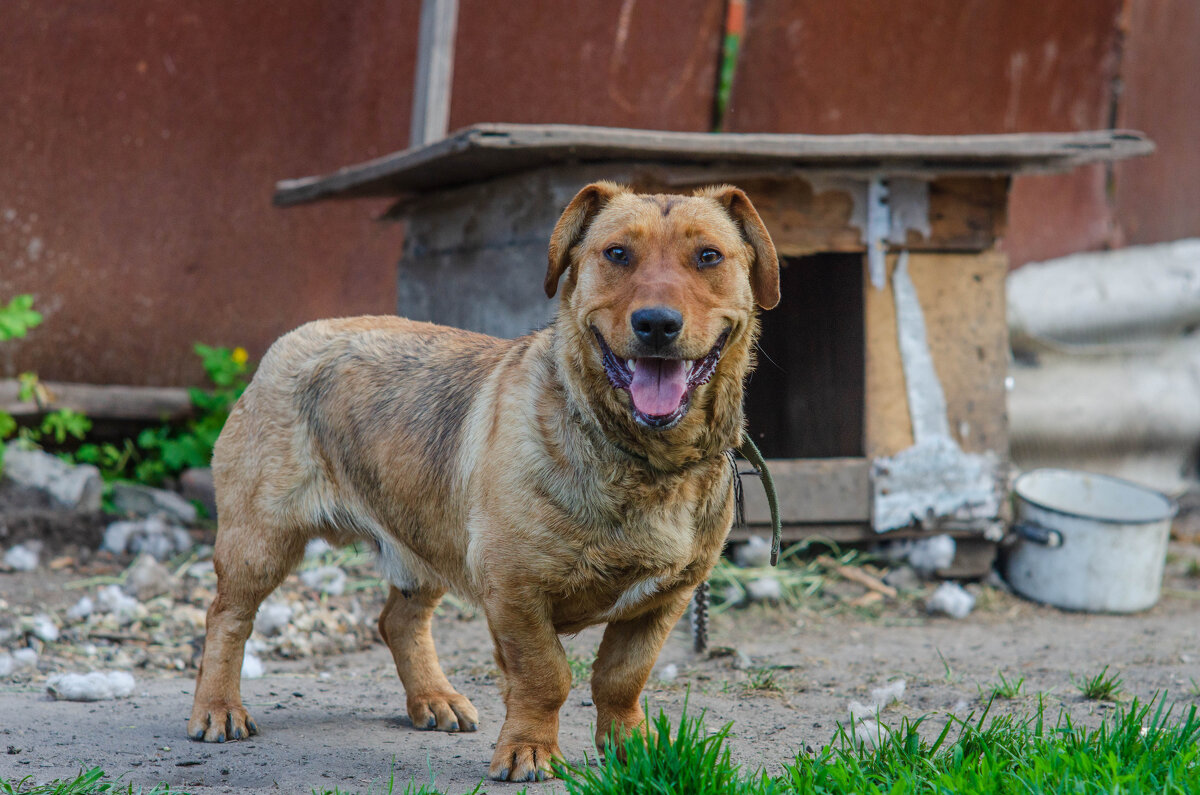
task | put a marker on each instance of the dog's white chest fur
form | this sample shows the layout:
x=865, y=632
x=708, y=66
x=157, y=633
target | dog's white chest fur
x=634, y=595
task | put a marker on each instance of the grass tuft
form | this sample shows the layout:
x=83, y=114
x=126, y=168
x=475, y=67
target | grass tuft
x=1101, y=687
x=1139, y=749
x=1003, y=689
x=88, y=782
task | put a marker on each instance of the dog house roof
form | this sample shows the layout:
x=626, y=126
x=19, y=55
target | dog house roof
x=484, y=151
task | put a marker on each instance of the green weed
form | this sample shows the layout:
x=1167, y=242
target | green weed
x=1101, y=687
x=580, y=665
x=89, y=782
x=1005, y=688
x=765, y=679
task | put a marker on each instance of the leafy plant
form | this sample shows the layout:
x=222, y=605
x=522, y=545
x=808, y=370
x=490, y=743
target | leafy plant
x=170, y=450
x=88, y=782
x=18, y=317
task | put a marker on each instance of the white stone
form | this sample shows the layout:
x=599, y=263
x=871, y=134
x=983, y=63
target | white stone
x=81, y=609
x=252, y=667
x=272, y=617
x=139, y=500
x=23, y=557
x=764, y=589
x=94, y=686
x=755, y=553
x=76, y=487
x=42, y=626
x=326, y=579
x=951, y=599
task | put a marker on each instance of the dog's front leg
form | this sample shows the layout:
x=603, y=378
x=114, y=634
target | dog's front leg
x=626, y=656
x=537, y=681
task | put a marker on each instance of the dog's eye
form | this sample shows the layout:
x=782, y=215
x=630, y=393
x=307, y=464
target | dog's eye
x=617, y=254
x=709, y=257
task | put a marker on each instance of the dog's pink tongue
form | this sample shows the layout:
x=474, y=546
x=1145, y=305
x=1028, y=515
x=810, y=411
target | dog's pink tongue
x=658, y=386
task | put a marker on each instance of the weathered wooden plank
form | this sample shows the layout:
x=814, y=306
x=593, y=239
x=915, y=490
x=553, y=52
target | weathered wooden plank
x=812, y=490
x=486, y=151
x=962, y=299
x=152, y=404
x=435, y=72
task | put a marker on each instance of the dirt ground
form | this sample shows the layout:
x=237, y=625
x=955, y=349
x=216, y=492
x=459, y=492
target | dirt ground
x=338, y=719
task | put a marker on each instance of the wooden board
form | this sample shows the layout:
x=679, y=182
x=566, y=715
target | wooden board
x=812, y=490
x=151, y=404
x=962, y=299
x=489, y=150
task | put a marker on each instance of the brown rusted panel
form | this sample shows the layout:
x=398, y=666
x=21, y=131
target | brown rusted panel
x=627, y=64
x=142, y=142
x=1158, y=198
x=943, y=67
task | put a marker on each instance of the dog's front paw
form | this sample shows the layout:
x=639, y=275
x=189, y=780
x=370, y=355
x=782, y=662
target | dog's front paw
x=447, y=712
x=218, y=723
x=523, y=762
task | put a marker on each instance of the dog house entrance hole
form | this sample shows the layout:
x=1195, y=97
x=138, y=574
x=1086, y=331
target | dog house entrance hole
x=806, y=398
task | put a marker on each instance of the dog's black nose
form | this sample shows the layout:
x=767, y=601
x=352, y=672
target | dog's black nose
x=656, y=326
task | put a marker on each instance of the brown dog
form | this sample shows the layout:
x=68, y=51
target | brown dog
x=571, y=477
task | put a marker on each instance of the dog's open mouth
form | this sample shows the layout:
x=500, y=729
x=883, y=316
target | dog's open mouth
x=659, y=388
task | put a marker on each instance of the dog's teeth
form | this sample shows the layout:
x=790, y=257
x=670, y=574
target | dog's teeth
x=631, y=364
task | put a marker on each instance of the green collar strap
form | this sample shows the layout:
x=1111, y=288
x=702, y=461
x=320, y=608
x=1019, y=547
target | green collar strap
x=749, y=451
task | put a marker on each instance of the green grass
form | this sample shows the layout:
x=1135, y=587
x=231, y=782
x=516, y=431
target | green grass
x=580, y=665
x=88, y=782
x=1139, y=749
x=764, y=679
x=1101, y=687
x=1003, y=689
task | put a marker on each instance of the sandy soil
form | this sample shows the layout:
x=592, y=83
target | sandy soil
x=339, y=720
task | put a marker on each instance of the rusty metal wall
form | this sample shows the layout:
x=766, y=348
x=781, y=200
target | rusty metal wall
x=943, y=67
x=142, y=137
x=141, y=143
x=1158, y=199
x=649, y=64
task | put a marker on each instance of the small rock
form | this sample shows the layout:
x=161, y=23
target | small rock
x=81, y=609
x=147, y=578
x=24, y=658
x=6, y=664
x=153, y=536
x=42, y=626
x=587, y=702
x=272, y=617
x=111, y=599
x=903, y=578
x=927, y=555
x=197, y=484
x=252, y=667
x=23, y=557
x=77, y=487
x=139, y=500
x=756, y=552
x=668, y=673
x=316, y=548
x=95, y=686
x=326, y=579
x=951, y=599
x=764, y=589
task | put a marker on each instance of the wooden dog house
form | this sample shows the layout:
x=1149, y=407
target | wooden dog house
x=880, y=391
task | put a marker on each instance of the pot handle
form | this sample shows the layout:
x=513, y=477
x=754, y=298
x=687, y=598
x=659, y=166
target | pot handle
x=1038, y=534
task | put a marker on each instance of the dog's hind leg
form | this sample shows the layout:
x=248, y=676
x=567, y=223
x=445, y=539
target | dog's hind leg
x=250, y=561
x=406, y=627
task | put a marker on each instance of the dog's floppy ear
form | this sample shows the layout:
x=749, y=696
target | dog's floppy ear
x=764, y=271
x=571, y=227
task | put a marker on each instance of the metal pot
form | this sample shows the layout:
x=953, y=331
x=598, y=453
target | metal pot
x=1088, y=542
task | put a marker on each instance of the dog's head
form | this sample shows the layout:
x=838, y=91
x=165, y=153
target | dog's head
x=663, y=288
